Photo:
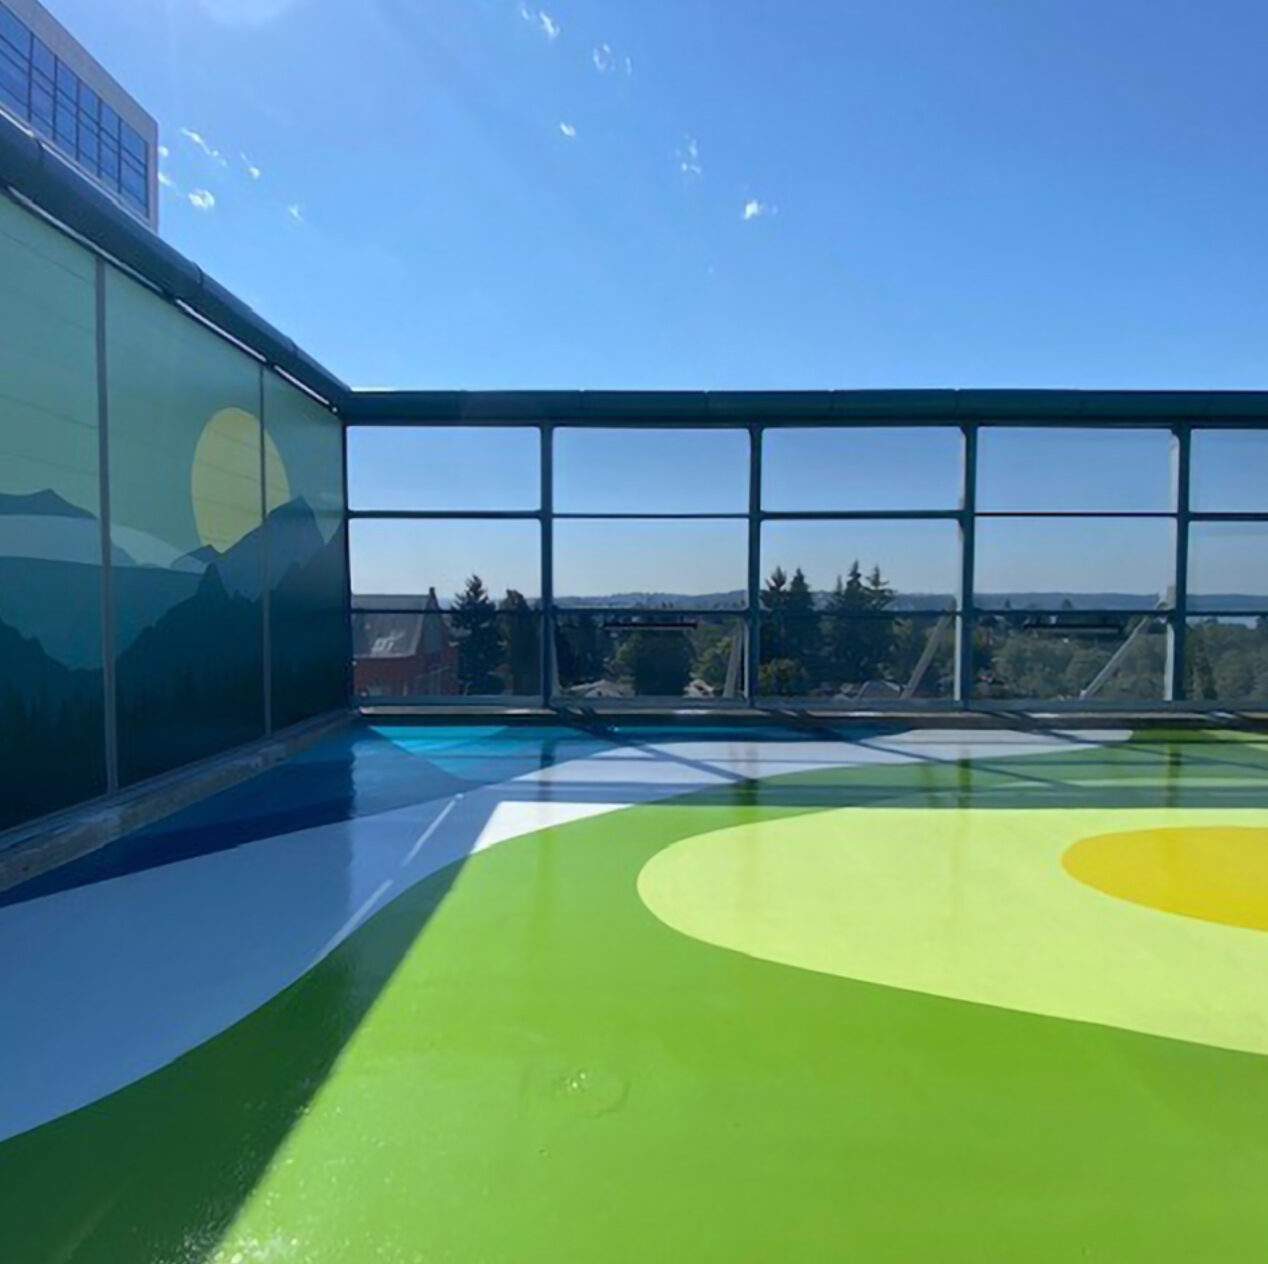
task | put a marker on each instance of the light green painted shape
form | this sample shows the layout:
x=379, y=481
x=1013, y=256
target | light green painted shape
x=974, y=905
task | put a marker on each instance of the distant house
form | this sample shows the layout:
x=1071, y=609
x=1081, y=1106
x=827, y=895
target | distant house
x=405, y=654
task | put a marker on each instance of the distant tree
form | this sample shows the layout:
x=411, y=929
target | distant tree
x=475, y=621
x=782, y=678
x=803, y=635
x=658, y=663
x=521, y=634
x=774, y=601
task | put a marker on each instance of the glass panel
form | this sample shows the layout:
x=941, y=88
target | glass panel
x=89, y=102
x=1228, y=565
x=109, y=122
x=403, y=467
x=1054, y=470
x=482, y=649
x=651, y=471
x=868, y=661
x=1226, y=660
x=13, y=31
x=42, y=58
x=693, y=563
x=186, y=519
x=52, y=750
x=307, y=554
x=1229, y=471
x=396, y=557
x=1061, y=657
x=666, y=656
x=131, y=140
x=913, y=467
x=1084, y=563
x=918, y=561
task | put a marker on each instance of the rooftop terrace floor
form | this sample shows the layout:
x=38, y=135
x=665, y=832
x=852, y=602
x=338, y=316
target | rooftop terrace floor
x=503, y=994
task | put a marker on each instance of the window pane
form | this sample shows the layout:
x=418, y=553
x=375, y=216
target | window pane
x=1229, y=471
x=401, y=467
x=1067, y=471
x=395, y=557
x=109, y=122
x=919, y=561
x=14, y=32
x=913, y=467
x=43, y=59
x=1226, y=660
x=1086, y=563
x=673, y=656
x=1228, y=565
x=132, y=142
x=1059, y=657
x=692, y=563
x=651, y=471
x=484, y=650
x=866, y=661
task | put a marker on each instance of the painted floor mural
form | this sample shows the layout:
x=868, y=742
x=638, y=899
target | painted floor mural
x=516, y=994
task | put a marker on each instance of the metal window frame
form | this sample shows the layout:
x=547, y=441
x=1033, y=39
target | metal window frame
x=640, y=412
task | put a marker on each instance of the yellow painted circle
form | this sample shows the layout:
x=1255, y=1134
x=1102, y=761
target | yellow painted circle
x=1216, y=873
x=225, y=479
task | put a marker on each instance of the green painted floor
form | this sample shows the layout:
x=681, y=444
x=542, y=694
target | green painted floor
x=519, y=1060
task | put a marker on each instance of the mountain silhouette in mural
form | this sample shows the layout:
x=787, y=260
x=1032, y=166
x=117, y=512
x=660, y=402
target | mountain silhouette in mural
x=189, y=639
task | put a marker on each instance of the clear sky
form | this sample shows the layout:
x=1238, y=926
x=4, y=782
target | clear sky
x=730, y=194
x=502, y=193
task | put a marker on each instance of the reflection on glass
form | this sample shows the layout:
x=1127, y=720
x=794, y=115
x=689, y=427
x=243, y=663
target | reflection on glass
x=1055, y=470
x=1080, y=563
x=864, y=467
x=857, y=659
x=1060, y=657
x=1226, y=660
x=1228, y=565
x=691, y=564
x=651, y=471
x=668, y=656
x=478, y=648
x=1229, y=471
x=444, y=467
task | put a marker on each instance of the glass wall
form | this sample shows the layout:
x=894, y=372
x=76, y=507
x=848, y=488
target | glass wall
x=306, y=549
x=197, y=628
x=52, y=733
x=186, y=510
x=1011, y=564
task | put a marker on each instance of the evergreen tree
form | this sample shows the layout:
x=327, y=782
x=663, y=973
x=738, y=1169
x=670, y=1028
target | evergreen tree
x=475, y=621
x=523, y=644
x=658, y=663
x=774, y=599
x=803, y=636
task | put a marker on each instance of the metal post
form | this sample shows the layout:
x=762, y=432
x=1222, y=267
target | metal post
x=547, y=507
x=109, y=684
x=266, y=622
x=350, y=674
x=968, y=550
x=1177, y=677
x=753, y=673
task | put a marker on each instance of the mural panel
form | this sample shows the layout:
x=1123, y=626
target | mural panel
x=308, y=577
x=187, y=516
x=52, y=737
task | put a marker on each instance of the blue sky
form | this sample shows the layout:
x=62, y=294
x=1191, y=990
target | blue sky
x=749, y=193
x=1049, y=193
